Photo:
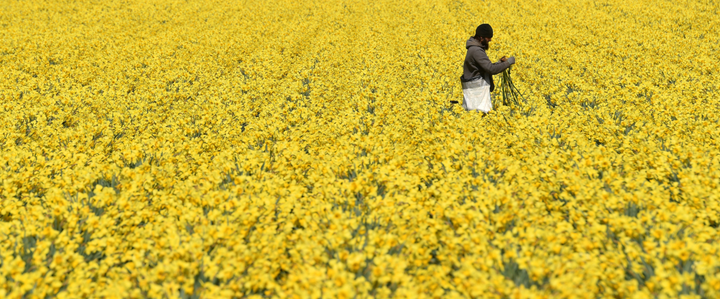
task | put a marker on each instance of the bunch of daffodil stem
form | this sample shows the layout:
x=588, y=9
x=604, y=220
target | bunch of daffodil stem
x=510, y=94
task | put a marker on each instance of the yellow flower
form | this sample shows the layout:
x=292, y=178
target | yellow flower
x=291, y=149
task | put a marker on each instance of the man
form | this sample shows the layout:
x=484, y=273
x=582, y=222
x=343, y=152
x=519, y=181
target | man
x=477, y=81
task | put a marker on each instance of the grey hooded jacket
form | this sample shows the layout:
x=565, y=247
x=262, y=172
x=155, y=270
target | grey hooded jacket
x=478, y=65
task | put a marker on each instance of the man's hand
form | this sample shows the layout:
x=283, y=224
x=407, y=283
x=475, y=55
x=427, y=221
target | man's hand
x=503, y=59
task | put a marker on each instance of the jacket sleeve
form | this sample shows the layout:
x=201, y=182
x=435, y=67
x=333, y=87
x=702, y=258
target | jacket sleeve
x=493, y=68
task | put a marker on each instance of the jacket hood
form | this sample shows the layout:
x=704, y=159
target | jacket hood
x=473, y=42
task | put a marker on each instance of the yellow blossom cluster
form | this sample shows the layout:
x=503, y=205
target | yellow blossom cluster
x=308, y=149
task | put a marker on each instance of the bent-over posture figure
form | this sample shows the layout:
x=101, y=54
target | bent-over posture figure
x=477, y=81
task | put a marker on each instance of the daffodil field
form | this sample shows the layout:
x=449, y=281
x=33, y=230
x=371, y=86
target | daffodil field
x=308, y=149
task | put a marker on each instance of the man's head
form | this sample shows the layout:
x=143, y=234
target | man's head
x=484, y=34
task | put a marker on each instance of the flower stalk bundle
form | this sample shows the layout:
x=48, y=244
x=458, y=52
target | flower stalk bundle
x=510, y=94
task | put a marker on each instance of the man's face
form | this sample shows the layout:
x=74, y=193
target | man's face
x=485, y=41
